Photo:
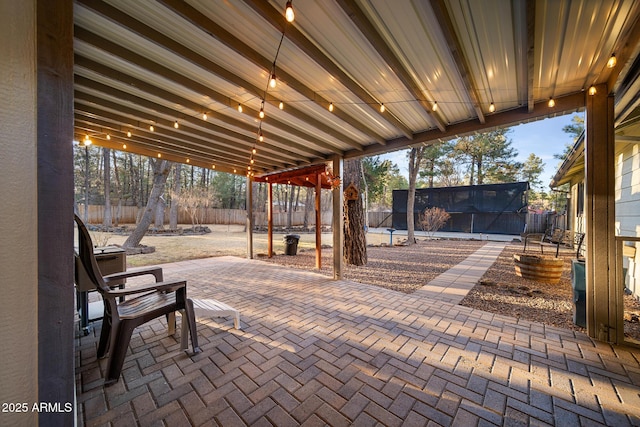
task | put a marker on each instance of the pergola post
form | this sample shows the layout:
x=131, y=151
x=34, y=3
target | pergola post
x=337, y=220
x=318, y=223
x=602, y=306
x=270, y=220
x=249, y=217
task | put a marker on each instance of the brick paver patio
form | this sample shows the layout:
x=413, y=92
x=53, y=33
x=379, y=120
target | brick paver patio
x=313, y=351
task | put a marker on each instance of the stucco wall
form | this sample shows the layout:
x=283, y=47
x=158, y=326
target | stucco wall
x=18, y=211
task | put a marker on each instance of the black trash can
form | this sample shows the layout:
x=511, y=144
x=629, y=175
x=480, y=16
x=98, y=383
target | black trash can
x=291, y=244
x=578, y=283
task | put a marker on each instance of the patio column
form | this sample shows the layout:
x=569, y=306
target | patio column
x=36, y=216
x=337, y=222
x=270, y=220
x=602, y=305
x=249, y=217
x=318, y=223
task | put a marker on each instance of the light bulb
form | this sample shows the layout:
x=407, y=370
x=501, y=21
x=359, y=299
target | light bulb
x=252, y=161
x=260, y=136
x=235, y=171
x=204, y=116
x=382, y=108
x=159, y=155
x=492, y=107
x=87, y=140
x=592, y=90
x=331, y=107
x=254, y=151
x=272, y=81
x=124, y=146
x=288, y=12
x=612, y=61
x=176, y=125
x=151, y=128
x=188, y=161
x=551, y=103
x=281, y=105
x=434, y=107
x=108, y=137
x=239, y=108
x=129, y=134
x=213, y=166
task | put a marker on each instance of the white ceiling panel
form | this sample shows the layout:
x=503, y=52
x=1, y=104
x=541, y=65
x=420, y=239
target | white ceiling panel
x=173, y=60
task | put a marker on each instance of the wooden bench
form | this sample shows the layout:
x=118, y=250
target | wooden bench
x=552, y=238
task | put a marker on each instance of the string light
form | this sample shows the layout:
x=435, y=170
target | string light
x=612, y=61
x=108, y=137
x=382, y=108
x=434, y=107
x=492, y=107
x=254, y=151
x=176, y=125
x=159, y=155
x=204, y=116
x=272, y=81
x=281, y=105
x=592, y=90
x=124, y=146
x=87, y=140
x=129, y=134
x=151, y=128
x=239, y=108
x=213, y=166
x=188, y=161
x=288, y=12
x=260, y=136
x=261, y=114
x=551, y=103
x=331, y=107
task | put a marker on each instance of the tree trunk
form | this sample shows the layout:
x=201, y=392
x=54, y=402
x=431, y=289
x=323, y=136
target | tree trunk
x=119, y=192
x=86, y=185
x=173, y=213
x=355, y=242
x=107, y=220
x=415, y=158
x=160, y=207
x=290, y=206
x=308, y=207
x=161, y=170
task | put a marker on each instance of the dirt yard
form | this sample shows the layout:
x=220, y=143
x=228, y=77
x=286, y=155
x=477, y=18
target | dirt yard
x=401, y=268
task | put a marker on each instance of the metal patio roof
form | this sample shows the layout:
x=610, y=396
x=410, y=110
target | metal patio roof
x=437, y=66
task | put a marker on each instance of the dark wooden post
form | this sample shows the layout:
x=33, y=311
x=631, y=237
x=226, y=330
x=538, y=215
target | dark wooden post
x=318, y=222
x=270, y=221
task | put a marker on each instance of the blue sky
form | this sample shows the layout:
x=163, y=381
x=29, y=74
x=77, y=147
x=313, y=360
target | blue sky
x=544, y=138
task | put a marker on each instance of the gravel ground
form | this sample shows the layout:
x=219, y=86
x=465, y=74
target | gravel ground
x=407, y=268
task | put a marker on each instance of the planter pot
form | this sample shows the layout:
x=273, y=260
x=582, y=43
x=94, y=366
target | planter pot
x=538, y=268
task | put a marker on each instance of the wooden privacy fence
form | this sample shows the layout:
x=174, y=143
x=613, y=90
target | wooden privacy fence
x=537, y=223
x=129, y=214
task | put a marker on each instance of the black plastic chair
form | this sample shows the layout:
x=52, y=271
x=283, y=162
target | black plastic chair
x=143, y=304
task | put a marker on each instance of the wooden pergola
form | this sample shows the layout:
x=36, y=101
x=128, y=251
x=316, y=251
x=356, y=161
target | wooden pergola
x=316, y=176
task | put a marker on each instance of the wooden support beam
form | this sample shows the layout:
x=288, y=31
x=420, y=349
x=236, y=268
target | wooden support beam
x=318, y=223
x=602, y=309
x=270, y=221
x=337, y=221
x=249, y=218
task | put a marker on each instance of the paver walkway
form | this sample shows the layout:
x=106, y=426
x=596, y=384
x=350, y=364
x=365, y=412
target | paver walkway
x=454, y=284
x=314, y=351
